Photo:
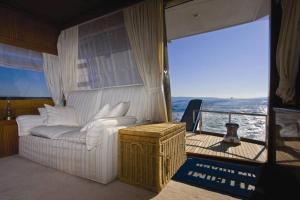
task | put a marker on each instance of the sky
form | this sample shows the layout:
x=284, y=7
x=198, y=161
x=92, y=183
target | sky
x=232, y=62
x=22, y=83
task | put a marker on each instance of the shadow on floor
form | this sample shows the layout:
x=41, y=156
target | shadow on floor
x=278, y=182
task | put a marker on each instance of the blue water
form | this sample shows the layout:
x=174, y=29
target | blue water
x=252, y=127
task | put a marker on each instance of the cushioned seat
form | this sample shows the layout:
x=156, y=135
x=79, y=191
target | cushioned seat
x=74, y=136
x=52, y=132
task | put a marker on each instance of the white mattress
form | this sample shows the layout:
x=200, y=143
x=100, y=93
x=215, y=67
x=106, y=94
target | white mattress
x=98, y=164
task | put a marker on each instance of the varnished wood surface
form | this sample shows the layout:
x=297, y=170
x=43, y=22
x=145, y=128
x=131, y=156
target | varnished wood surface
x=23, y=107
x=22, y=30
x=8, y=138
x=209, y=145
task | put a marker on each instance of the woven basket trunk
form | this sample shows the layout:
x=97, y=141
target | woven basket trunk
x=149, y=155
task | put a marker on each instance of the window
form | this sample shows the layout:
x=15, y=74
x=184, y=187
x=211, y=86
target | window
x=22, y=83
x=21, y=73
x=105, y=57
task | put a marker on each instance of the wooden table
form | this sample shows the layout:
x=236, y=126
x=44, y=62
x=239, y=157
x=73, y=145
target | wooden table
x=8, y=138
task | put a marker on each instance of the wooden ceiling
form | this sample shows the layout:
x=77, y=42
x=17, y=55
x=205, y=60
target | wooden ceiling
x=65, y=13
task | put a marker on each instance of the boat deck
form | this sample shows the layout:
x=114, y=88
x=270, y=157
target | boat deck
x=210, y=145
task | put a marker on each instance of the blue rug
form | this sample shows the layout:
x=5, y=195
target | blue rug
x=234, y=179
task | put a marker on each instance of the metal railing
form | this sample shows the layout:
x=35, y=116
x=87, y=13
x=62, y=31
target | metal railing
x=198, y=117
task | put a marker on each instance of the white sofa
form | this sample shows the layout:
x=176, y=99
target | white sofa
x=69, y=153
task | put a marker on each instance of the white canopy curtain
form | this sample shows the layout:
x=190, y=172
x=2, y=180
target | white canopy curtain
x=67, y=48
x=144, y=24
x=104, y=55
x=15, y=57
x=288, y=50
x=53, y=76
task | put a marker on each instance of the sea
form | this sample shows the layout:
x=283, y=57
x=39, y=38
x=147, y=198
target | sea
x=252, y=127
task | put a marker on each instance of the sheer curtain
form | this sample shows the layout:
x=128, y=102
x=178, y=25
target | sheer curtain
x=104, y=56
x=288, y=50
x=53, y=76
x=144, y=24
x=67, y=47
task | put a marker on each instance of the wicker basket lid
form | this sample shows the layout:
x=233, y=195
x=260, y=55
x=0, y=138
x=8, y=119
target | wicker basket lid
x=155, y=130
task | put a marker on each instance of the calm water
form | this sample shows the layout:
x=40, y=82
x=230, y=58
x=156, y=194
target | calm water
x=250, y=126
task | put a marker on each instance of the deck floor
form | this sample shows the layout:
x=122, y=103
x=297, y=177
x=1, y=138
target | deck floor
x=209, y=145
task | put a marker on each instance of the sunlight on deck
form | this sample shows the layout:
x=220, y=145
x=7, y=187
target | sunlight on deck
x=210, y=145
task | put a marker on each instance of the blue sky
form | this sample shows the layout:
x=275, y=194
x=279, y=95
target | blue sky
x=22, y=83
x=232, y=62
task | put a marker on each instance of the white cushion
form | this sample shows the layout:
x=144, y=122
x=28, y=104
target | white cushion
x=27, y=122
x=103, y=112
x=110, y=122
x=119, y=110
x=74, y=136
x=43, y=112
x=61, y=116
x=98, y=135
x=52, y=132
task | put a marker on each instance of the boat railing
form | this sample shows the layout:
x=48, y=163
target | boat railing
x=199, y=117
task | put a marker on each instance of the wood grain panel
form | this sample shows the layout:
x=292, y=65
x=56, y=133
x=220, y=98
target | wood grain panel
x=24, y=107
x=22, y=30
x=8, y=138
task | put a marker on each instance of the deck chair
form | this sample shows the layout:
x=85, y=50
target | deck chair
x=192, y=115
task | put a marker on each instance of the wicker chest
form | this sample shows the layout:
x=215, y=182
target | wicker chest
x=149, y=155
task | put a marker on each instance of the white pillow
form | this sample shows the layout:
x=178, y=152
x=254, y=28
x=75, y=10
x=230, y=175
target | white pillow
x=60, y=115
x=103, y=112
x=110, y=122
x=43, y=112
x=119, y=110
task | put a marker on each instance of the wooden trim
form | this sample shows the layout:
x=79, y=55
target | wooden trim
x=166, y=76
x=23, y=106
x=275, y=21
x=24, y=98
x=8, y=122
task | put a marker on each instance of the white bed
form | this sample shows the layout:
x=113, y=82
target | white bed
x=68, y=152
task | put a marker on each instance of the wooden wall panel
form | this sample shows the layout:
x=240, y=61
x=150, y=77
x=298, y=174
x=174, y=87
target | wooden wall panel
x=24, y=107
x=22, y=30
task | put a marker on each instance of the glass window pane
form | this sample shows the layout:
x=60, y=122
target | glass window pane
x=22, y=83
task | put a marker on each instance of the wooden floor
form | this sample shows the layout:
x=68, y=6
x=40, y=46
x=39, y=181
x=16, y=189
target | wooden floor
x=209, y=145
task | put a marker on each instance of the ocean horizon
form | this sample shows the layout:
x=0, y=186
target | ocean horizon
x=252, y=127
